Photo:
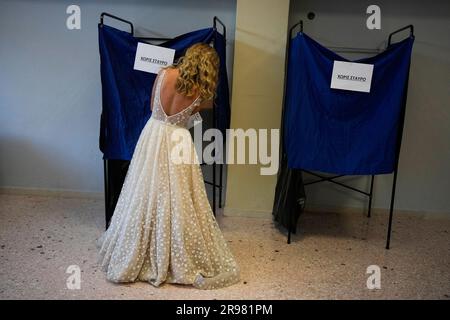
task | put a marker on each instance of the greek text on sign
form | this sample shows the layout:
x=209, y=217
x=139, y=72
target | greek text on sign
x=351, y=76
x=150, y=58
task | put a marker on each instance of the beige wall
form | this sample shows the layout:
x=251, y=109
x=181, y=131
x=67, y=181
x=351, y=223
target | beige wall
x=257, y=93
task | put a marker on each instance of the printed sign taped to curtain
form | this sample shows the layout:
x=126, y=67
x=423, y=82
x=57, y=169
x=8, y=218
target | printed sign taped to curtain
x=150, y=58
x=351, y=76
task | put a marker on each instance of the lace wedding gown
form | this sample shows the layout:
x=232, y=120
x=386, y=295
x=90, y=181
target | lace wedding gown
x=163, y=229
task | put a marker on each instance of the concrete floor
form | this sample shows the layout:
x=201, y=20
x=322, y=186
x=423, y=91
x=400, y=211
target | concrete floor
x=41, y=236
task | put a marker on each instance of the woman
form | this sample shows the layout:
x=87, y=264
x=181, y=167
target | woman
x=163, y=229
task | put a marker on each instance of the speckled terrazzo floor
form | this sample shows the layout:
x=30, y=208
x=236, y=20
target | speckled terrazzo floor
x=41, y=236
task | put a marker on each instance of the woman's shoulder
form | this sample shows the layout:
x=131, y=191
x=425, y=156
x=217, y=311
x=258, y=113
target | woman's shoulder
x=169, y=72
x=170, y=69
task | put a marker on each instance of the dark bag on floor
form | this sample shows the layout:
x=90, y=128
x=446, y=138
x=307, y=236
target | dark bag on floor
x=289, y=196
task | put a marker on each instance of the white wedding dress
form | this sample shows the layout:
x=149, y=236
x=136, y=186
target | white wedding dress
x=163, y=228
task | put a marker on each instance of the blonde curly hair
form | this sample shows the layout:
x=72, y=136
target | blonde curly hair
x=198, y=71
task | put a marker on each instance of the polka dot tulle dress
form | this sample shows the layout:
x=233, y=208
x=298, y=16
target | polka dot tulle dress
x=163, y=229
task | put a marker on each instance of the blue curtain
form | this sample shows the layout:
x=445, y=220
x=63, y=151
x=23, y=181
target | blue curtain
x=339, y=131
x=126, y=93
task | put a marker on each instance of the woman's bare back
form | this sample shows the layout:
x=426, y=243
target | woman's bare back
x=172, y=102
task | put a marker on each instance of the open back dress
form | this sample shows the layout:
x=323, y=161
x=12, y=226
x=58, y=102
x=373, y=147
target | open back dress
x=163, y=228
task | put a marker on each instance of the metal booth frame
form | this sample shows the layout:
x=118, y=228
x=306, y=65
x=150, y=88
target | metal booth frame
x=331, y=179
x=111, y=199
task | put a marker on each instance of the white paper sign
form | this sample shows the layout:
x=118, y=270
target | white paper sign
x=150, y=58
x=351, y=76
